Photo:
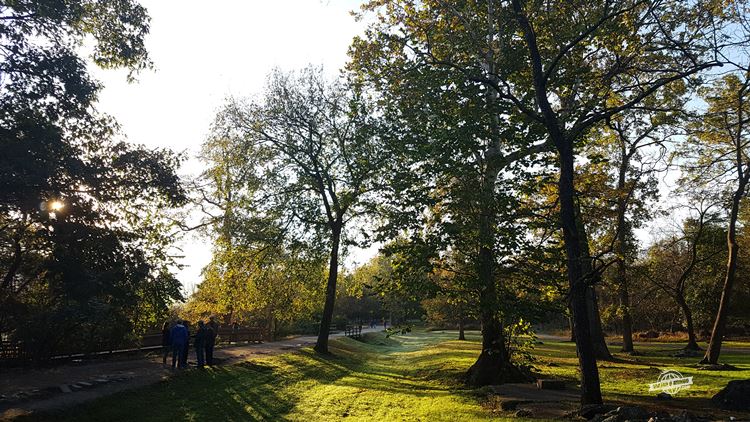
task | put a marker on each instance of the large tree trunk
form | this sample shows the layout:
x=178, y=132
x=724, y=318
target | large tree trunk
x=321, y=346
x=597, y=333
x=717, y=334
x=627, y=320
x=620, y=269
x=493, y=365
x=688, y=314
x=590, y=387
x=593, y=279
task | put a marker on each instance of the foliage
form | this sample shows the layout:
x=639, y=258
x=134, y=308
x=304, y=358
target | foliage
x=84, y=216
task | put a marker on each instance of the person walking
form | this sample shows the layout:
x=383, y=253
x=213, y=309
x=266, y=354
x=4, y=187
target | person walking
x=166, y=344
x=178, y=339
x=211, y=334
x=200, y=344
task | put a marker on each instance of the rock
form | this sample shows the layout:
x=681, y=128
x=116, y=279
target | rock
x=623, y=414
x=663, y=396
x=65, y=388
x=590, y=410
x=734, y=396
x=550, y=384
x=632, y=413
x=523, y=413
x=85, y=384
x=101, y=380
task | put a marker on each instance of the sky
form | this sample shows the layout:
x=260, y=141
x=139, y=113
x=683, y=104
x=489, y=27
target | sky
x=206, y=52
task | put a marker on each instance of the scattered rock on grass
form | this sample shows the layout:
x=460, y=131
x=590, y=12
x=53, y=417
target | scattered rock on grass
x=734, y=396
x=590, y=410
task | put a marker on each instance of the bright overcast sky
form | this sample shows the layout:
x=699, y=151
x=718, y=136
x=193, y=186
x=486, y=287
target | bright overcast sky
x=203, y=53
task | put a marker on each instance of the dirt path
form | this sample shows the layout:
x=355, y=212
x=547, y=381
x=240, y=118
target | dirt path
x=30, y=390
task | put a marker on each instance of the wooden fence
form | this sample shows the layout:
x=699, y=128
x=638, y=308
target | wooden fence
x=12, y=353
x=353, y=331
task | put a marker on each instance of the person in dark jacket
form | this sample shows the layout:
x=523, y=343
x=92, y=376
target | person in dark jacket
x=212, y=329
x=200, y=344
x=186, y=346
x=166, y=344
x=178, y=338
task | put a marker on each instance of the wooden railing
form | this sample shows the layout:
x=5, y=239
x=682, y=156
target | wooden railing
x=12, y=352
x=353, y=331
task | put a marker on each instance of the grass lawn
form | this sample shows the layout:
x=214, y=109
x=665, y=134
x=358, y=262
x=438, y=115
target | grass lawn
x=626, y=379
x=407, y=378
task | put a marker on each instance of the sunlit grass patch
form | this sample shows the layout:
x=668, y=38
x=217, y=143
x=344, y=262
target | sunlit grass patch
x=406, y=378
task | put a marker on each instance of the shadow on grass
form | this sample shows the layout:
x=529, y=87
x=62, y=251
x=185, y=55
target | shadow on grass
x=244, y=392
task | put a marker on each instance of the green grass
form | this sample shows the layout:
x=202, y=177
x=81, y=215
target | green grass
x=626, y=379
x=408, y=378
x=414, y=378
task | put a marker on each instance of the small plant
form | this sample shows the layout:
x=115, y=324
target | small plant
x=397, y=330
x=520, y=343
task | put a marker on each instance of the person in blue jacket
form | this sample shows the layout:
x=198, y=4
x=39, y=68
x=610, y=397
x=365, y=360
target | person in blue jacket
x=178, y=337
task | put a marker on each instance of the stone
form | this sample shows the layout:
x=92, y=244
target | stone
x=632, y=413
x=590, y=410
x=734, y=396
x=550, y=384
x=85, y=384
x=65, y=388
x=663, y=396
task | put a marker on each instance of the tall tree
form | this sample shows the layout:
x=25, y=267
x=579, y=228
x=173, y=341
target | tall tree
x=719, y=156
x=315, y=149
x=673, y=262
x=460, y=148
x=575, y=65
x=85, y=239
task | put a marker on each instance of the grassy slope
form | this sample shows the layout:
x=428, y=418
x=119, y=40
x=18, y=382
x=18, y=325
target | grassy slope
x=414, y=377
